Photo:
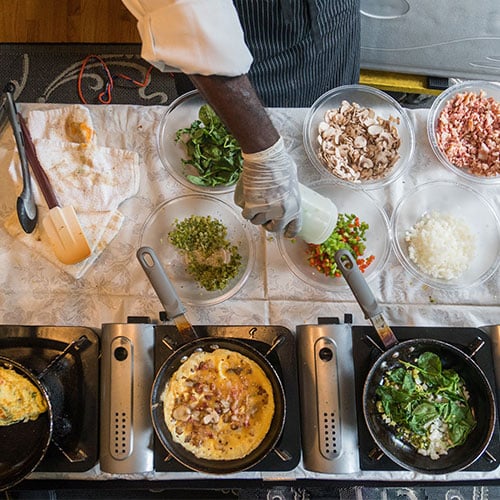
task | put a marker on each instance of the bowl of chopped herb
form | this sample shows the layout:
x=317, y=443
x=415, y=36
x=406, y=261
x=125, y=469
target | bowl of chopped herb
x=362, y=228
x=204, y=246
x=196, y=148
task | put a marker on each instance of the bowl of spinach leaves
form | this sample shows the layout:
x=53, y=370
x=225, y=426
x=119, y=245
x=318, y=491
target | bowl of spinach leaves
x=196, y=147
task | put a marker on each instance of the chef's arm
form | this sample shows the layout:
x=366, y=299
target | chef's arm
x=238, y=106
x=180, y=34
x=268, y=189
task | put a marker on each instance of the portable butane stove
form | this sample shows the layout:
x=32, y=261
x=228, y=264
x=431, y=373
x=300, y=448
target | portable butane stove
x=334, y=361
x=131, y=355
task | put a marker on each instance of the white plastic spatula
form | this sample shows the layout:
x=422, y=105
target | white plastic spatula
x=61, y=223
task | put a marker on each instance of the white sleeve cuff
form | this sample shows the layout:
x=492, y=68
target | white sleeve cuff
x=193, y=36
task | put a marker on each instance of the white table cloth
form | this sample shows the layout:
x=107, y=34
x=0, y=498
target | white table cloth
x=34, y=292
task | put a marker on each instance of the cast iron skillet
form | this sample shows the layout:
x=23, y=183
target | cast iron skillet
x=481, y=395
x=23, y=445
x=167, y=295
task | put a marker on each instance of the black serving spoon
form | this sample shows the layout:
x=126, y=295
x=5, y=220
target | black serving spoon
x=26, y=207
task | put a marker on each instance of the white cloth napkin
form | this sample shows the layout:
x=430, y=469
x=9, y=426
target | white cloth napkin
x=95, y=180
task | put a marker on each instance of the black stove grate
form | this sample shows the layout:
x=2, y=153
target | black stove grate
x=72, y=384
x=287, y=453
x=365, y=354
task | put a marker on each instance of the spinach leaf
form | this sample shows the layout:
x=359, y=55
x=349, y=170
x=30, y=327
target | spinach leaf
x=416, y=399
x=211, y=150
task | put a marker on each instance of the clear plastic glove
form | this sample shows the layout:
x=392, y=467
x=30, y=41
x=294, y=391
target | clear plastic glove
x=268, y=190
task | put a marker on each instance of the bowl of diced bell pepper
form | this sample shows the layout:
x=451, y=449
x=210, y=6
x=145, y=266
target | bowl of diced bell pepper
x=362, y=228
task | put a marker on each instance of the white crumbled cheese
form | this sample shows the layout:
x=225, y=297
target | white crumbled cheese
x=438, y=444
x=441, y=245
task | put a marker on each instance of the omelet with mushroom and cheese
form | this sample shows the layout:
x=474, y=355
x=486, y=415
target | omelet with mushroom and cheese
x=219, y=405
x=20, y=400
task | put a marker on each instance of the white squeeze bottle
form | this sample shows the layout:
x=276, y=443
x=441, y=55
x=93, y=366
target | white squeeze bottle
x=319, y=216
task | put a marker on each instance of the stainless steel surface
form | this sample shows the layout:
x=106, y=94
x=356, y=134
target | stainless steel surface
x=327, y=398
x=460, y=39
x=357, y=283
x=166, y=292
x=127, y=373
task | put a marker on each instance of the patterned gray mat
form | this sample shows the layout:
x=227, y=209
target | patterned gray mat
x=466, y=492
x=48, y=72
x=51, y=73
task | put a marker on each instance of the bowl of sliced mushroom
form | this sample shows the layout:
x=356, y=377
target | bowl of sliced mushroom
x=359, y=135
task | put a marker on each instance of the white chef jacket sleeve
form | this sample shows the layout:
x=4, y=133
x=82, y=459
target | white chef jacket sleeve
x=193, y=36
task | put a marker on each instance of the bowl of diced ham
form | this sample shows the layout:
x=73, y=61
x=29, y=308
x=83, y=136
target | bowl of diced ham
x=464, y=130
x=447, y=235
x=359, y=136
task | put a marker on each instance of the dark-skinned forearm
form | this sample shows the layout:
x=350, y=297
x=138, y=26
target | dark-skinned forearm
x=238, y=106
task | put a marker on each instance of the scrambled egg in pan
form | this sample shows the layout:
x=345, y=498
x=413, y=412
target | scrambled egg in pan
x=219, y=405
x=20, y=400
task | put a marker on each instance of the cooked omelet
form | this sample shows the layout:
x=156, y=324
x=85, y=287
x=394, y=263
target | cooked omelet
x=218, y=405
x=20, y=400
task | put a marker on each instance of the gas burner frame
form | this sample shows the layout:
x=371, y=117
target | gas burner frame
x=334, y=361
x=72, y=351
x=277, y=343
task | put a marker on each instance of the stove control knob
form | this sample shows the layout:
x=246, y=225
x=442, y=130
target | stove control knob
x=121, y=354
x=325, y=354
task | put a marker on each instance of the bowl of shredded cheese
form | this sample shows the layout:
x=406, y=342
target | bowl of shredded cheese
x=447, y=235
x=203, y=244
x=463, y=128
x=359, y=136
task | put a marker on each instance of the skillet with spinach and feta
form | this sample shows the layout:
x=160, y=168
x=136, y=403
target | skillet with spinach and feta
x=426, y=405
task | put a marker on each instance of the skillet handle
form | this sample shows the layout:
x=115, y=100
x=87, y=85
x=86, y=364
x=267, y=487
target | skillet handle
x=160, y=281
x=356, y=281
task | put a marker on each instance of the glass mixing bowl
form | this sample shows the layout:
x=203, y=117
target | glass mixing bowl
x=384, y=107
x=491, y=90
x=463, y=203
x=181, y=114
x=162, y=221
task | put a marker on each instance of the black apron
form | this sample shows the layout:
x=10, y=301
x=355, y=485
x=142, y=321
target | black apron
x=301, y=48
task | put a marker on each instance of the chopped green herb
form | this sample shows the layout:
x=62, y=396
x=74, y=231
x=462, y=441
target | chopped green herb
x=211, y=259
x=211, y=150
x=426, y=405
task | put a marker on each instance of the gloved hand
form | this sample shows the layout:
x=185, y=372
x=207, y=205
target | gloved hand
x=268, y=190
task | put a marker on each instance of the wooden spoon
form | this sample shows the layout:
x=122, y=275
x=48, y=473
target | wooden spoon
x=61, y=224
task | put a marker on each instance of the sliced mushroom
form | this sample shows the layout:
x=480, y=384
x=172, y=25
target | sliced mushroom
x=356, y=143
